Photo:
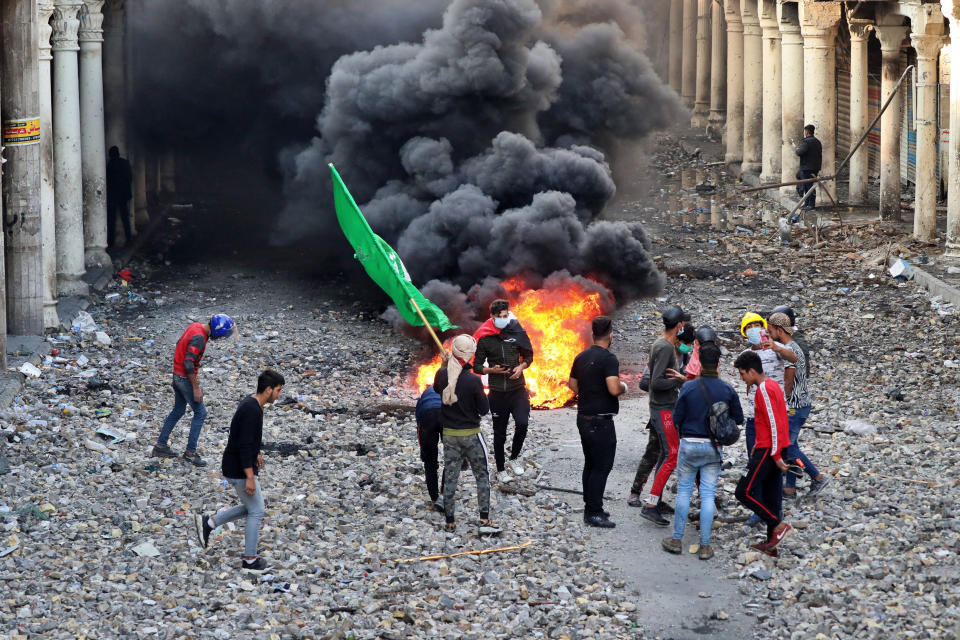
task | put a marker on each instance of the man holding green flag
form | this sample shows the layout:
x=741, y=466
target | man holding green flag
x=383, y=264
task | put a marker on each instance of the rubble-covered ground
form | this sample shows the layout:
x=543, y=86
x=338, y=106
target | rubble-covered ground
x=98, y=539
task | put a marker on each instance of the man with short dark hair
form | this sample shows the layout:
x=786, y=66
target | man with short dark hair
x=503, y=352
x=429, y=430
x=241, y=464
x=811, y=157
x=665, y=382
x=595, y=378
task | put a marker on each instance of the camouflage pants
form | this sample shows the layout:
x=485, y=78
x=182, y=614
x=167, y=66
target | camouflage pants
x=473, y=449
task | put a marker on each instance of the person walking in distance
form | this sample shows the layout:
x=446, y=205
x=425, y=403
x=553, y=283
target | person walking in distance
x=761, y=489
x=698, y=454
x=119, y=194
x=241, y=466
x=186, y=386
x=665, y=382
x=503, y=352
x=595, y=378
x=811, y=156
x=463, y=404
x=799, y=403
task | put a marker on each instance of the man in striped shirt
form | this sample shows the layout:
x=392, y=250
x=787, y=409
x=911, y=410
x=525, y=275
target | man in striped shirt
x=761, y=489
x=798, y=404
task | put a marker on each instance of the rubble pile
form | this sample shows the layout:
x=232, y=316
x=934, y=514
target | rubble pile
x=98, y=537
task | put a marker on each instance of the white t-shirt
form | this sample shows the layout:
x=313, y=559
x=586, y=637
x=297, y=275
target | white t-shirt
x=773, y=368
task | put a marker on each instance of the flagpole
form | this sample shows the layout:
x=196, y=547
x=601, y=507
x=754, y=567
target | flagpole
x=429, y=328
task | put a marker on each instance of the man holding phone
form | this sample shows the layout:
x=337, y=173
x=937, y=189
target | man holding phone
x=241, y=463
x=665, y=382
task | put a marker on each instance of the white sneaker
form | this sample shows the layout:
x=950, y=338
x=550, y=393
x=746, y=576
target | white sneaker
x=517, y=467
x=504, y=477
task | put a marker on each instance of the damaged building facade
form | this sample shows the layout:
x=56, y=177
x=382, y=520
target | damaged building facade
x=64, y=99
x=757, y=71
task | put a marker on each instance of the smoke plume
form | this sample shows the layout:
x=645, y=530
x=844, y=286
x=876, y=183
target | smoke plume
x=478, y=135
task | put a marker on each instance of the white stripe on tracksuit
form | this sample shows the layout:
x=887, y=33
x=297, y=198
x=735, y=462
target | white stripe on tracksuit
x=772, y=418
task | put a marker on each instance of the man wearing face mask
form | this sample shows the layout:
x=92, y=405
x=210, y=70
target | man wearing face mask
x=503, y=352
x=774, y=357
x=665, y=382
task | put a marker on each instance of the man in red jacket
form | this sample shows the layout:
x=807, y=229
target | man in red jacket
x=186, y=387
x=761, y=489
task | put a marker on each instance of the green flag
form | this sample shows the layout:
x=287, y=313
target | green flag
x=382, y=263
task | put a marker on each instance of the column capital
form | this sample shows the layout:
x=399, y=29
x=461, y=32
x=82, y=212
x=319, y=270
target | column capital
x=750, y=17
x=731, y=13
x=44, y=11
x=818, y=19
x=65, y=23
x=767, y=12
x=891, y=37
x=91, y=21
x=927, y=46
x=859, y=29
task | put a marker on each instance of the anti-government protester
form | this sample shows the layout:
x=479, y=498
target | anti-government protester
x=241, y=465
x=503, y=352
x=595, y=378
x=428, y=437
x=186, y=386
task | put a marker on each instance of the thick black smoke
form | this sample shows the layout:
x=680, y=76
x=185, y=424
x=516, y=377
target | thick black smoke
x=476, y=134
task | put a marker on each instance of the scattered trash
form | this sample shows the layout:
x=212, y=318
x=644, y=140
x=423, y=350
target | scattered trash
x=894, y=393
x=858, y=427
x=30, y=370
x=83, y=323
x=103, y=339
x=5, y=551
x=106, y=432
x=901, y=270
x=146, y=549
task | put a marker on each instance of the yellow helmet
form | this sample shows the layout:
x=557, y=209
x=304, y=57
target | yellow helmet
x=750, y=318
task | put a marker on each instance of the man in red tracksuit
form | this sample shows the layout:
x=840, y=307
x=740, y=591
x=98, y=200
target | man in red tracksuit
x=761, y=489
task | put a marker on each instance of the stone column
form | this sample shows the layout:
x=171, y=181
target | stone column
x=676, y=45
x=718, y=71
x=791, y=96
x=734, y=131
x=818, y=25
x=859, y=37
x=92, y=144
x=66, y=148
x=114, y=75
x=48, y=209
x=688, y=90
x=752, y=88
x=702, y=106
x=891, y=122
x=951, y=10
x=772, y=124
x=927, y=47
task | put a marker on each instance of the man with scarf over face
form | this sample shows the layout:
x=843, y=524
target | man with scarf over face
x=503, y=352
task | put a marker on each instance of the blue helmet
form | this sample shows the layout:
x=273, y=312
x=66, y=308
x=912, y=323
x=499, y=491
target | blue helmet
x=221, y=326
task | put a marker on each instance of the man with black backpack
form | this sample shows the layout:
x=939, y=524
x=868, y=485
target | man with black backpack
x=700, y=438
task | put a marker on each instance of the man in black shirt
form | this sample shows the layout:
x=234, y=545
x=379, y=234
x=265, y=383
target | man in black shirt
x=811, y=154
x=503, y=352
x=119, y=193
x=595, y=378
x=241, y=463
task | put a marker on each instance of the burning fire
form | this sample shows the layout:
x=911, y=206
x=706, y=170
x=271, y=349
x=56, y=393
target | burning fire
x=558, y=323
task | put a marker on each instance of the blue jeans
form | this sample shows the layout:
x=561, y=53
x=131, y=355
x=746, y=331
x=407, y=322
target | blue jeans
x=250, y=507
x=182, y=396
x=750, y=434
x=693, y=457
x=795, y=423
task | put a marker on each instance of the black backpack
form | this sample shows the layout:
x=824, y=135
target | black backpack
x=723, y=430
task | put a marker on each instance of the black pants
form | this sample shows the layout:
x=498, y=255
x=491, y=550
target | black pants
x=428, y=435
x=598, y=437
x=504, y=404
x=123, y=208
x=804, y=174
x=649, y=460
x=761, y=490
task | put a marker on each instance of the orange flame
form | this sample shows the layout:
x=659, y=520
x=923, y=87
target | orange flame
x=558, y=323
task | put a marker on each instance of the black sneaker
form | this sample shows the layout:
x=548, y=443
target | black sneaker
x=194, y=459
x=817, y=486
x=203, y=527
x=257, y=566
x=663, y=507
x=162, y=452
x=438, y=504
x=598, y=521
x=653, y=515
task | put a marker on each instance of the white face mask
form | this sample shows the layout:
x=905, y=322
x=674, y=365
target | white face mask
x=501, y=323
